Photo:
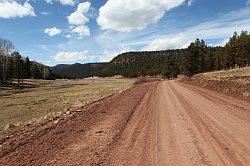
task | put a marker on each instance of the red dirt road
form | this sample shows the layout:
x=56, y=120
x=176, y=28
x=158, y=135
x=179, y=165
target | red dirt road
x=160, y=123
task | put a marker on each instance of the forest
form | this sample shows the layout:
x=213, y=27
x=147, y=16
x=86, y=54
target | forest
x=79, y=70
x=197, y=58
x=14, y=66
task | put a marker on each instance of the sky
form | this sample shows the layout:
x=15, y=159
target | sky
x=77, y=31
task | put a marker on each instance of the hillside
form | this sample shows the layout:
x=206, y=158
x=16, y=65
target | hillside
x=235, y=82
x=130, y=64
x=197, y=58
x=153, y=63
x=79, y=70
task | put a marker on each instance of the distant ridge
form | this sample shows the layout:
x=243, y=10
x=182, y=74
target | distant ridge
x=78, y=70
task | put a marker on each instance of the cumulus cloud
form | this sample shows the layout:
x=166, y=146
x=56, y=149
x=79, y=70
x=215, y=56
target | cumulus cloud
x=52, y=31
x=78, y=32
x=82, y=31
x=169, y=42
x=129, y=15
x=71, y=56
x=218, y=30
x=78, y=17
x=78, y=21
x=63, y=2
x=12, y=9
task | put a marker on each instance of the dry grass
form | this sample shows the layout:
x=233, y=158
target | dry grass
x=235, y=82
x=241, y=75
x=141, y=80
x=40, y=100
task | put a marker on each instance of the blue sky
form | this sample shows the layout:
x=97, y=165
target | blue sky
x=76, y=31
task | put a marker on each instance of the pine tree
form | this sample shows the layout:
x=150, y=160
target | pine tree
x=18, y=66
x=27, y=68
x=35, y=72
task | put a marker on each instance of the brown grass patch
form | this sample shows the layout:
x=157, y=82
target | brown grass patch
x=141, y=80
x=235, y=82
x=46, y=99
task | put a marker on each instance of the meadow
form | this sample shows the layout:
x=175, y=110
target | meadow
x=38, y=100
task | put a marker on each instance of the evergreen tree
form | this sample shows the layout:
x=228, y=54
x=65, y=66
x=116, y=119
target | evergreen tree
x=35, y=72
x=18, y=66
x=191, y=60
x=27, y=68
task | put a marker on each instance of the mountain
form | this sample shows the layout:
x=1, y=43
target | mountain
x=197, y=58
x=79, y=70
x=130, y=64
x=153, y=63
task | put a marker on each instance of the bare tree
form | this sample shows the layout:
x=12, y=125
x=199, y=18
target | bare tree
x=6, y=48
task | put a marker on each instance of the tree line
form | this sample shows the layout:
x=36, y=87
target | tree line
x=147, y=63
x=200, y=58
x=197, y=58
x=14, y=66
x=79, y=70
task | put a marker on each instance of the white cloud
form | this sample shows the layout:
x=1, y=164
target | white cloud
x=78, y=17
x=78, y=21
x=44, y=62
x=82, y=31
x=218, y=31
x=71, y=56
x=113, y=43
x=169, y=42
x=63, y=2
x=52, y=31
x=190, y=2
x=45, y=13
x=129, y=15
x=12, y=9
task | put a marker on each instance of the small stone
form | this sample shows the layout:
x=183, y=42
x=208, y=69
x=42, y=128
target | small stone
x=56, y=121
x=246, y=94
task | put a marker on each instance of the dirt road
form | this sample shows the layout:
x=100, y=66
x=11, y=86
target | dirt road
x=160, y=123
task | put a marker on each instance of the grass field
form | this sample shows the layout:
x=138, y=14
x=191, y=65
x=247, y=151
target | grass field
x=39, y=100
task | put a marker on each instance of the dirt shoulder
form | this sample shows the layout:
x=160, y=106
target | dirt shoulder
x=82, y=137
